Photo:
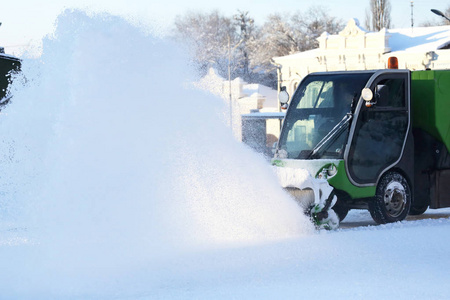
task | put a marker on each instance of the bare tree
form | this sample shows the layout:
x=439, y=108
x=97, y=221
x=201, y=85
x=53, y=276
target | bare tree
x=312, y=24
x=288, y=34
x=379, y=16
x=275, y=37
x=211, y=38
x=245, y=25
x=206, y=36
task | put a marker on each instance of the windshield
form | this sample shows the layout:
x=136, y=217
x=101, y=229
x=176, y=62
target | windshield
x=320, y=103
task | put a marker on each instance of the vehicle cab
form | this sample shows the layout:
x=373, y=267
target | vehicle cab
x=353, y=129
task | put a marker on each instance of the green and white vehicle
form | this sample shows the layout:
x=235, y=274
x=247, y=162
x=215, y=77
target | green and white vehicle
x=380, y=139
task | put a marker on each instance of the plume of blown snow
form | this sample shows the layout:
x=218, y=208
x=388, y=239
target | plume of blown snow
x=110, y=159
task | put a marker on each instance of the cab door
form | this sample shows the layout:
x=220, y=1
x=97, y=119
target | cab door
x=377, y=139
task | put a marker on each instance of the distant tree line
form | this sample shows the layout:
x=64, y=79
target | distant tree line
x=237, y=44
x=213, y=39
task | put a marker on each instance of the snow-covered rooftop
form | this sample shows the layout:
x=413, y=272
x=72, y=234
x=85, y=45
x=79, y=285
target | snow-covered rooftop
x=418, y=39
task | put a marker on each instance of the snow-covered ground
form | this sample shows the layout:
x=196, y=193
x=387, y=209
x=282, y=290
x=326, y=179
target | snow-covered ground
x=408, y=260
x=120, y=181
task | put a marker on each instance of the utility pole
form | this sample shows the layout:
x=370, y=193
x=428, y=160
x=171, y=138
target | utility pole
x=229, y=82
x=229, y=77
x=412, y=14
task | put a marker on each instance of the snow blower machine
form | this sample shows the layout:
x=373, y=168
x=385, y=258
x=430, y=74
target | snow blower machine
x=376, y=140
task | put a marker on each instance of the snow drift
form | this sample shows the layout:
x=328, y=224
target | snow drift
x=110, y=161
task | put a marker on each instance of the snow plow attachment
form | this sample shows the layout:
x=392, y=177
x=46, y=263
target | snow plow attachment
x=315, y=196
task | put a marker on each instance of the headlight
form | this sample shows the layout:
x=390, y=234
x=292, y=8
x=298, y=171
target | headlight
x=327, y=172
x=332, y=170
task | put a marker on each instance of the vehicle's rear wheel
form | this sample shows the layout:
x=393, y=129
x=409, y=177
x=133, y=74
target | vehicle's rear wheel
x=392, y=200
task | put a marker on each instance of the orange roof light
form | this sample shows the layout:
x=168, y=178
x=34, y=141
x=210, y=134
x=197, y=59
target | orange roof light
x=392, y=62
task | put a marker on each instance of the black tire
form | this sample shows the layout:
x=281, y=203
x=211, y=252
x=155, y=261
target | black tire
x=417, y=210
x=392, y=200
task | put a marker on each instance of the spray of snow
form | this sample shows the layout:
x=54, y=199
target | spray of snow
x=111, y=161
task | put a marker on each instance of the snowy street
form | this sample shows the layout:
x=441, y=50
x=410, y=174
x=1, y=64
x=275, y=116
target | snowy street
x=408, y=260
x=359, y=218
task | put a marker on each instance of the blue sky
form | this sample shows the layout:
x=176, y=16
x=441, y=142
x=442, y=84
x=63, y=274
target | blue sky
x=25, y=22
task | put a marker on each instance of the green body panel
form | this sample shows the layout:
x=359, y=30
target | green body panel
x=341, y=182
x=430, y=101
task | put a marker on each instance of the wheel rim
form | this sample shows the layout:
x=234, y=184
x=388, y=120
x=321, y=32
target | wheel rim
x=395, y=198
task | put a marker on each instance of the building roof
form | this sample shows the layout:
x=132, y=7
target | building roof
x=418, y=39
